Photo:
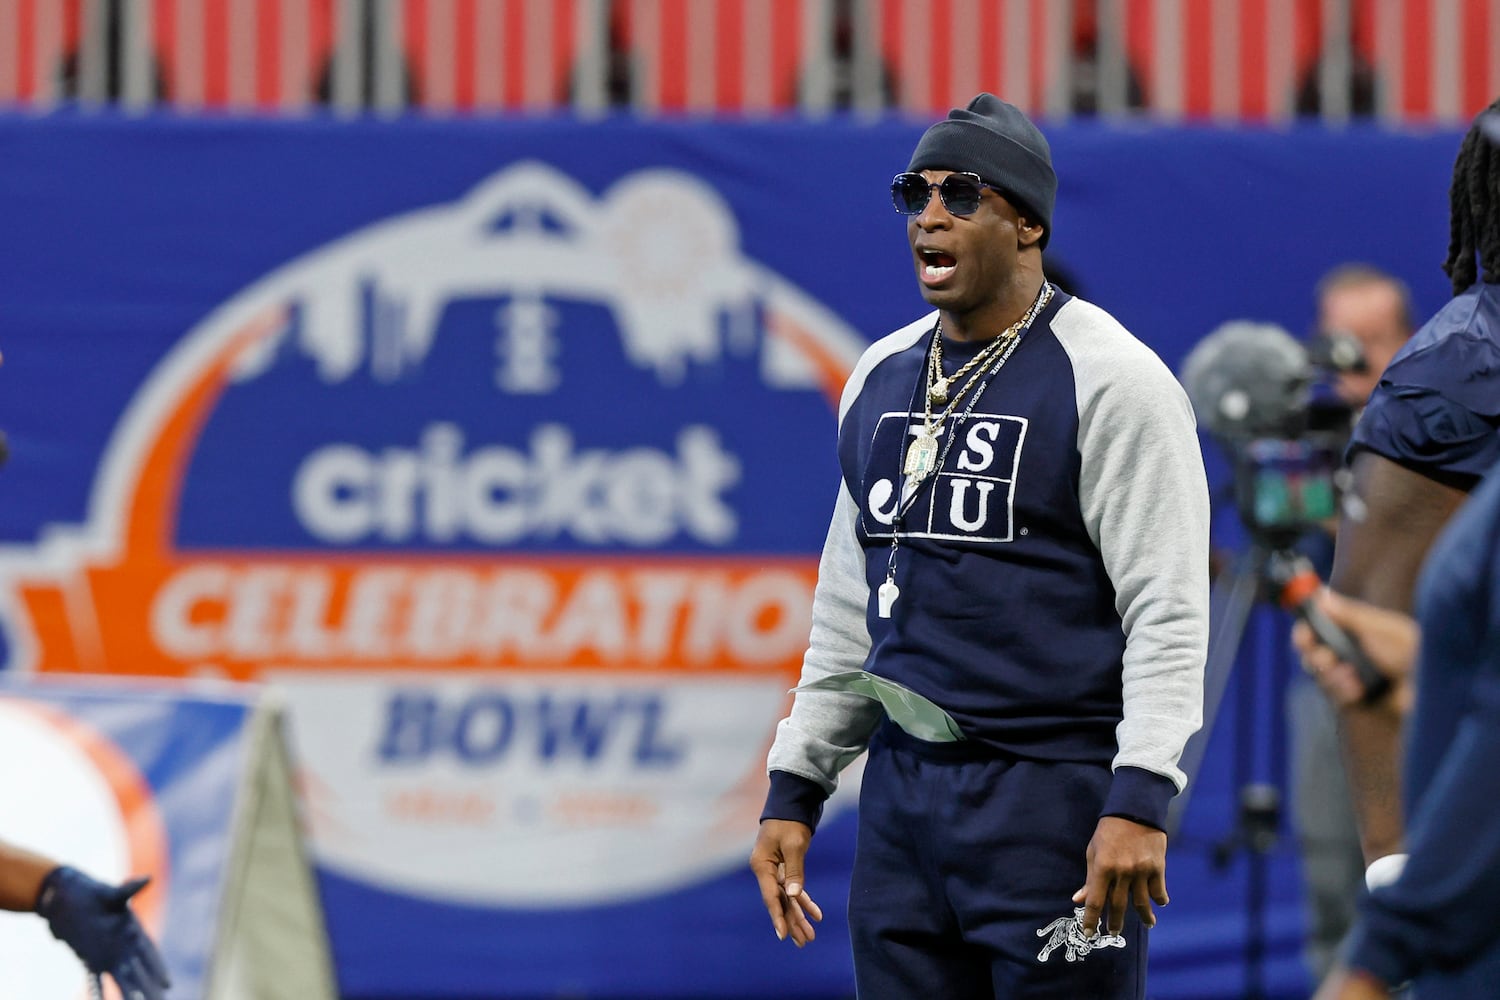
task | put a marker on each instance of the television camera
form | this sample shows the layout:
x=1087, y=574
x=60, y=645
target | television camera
x=1253, y=386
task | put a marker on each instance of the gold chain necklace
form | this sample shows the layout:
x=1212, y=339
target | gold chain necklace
x=938, y=385
x=921, y=457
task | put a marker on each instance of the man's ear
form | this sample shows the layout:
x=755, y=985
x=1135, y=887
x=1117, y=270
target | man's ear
x=1028, y=233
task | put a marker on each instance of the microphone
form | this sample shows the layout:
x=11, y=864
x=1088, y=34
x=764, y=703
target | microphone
x=1248, y=379
x=1296, y=584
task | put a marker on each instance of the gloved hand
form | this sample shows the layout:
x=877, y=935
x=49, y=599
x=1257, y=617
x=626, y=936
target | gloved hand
x=96, y=921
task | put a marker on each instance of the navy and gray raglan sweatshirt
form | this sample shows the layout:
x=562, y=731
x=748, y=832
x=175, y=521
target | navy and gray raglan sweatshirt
x=1053, y=573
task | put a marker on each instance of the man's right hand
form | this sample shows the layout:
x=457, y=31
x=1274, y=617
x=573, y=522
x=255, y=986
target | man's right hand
x=777, y=861
x=1389, y=639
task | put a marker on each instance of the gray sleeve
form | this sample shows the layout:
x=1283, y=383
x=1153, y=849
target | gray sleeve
x=1144, y=498
x=827, y=730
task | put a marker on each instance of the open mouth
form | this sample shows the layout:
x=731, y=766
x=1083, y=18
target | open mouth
x=936, y=265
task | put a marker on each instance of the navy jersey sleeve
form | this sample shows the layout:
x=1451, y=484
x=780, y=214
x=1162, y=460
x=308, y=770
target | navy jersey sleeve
x=1440, y=912
x=1437, y=408
x=1423, y=430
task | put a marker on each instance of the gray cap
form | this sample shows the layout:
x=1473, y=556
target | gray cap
x=996, y=141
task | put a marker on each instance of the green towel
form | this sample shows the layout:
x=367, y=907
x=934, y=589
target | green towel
x=912, y=712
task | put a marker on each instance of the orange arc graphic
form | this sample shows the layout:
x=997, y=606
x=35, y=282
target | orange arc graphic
x=151, y=513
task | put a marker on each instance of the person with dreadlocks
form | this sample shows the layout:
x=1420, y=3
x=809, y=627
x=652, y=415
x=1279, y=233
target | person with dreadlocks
x=1429, y=438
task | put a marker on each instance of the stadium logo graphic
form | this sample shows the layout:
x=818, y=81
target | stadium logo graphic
x=484, y=490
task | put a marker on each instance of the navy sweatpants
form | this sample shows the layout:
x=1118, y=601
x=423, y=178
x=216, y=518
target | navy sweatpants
x=964, y=870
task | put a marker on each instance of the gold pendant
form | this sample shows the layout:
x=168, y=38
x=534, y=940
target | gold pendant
x=921, y=457
x=938, y=392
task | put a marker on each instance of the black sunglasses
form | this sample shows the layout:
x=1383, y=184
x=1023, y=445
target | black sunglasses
x=961, y=192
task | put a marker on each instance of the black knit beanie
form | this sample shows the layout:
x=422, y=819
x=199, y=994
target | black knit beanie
x=996, y=141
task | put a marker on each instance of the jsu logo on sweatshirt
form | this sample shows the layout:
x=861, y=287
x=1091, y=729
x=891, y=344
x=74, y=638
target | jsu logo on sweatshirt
x=970, y=497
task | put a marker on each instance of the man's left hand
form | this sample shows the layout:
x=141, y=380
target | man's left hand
x=1127, y=865
x=96, y=921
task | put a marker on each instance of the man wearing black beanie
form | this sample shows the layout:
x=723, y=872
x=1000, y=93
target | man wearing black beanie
x=1011, y=612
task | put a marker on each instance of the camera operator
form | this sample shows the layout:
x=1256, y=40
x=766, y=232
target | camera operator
x=1368, y=308
x=1428, y=437
x=1364, y=317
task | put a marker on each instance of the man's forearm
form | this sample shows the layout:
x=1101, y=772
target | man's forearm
x=1395, y=515
x=1379, y=554
x=21, y=875
x=1370, y=741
